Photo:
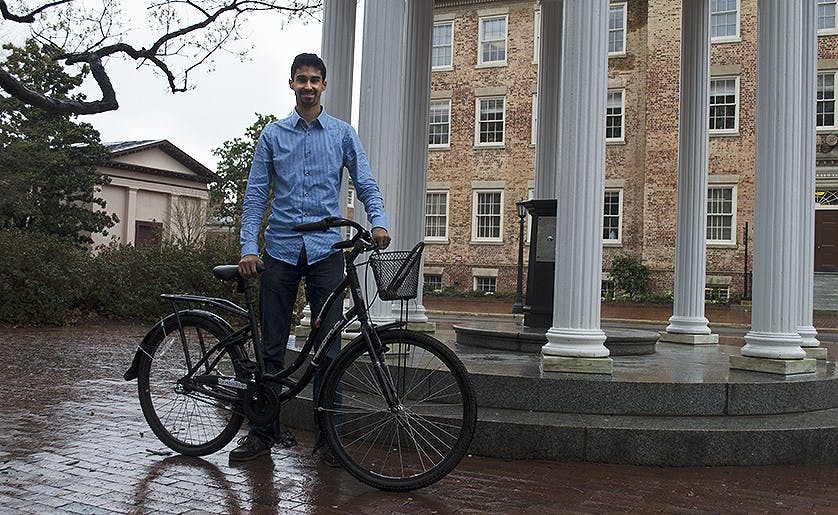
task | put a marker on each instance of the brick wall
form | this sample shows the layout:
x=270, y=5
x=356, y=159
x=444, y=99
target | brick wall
x=645, y=164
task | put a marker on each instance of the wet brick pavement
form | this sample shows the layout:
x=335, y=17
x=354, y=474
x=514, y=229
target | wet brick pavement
x=73, y=440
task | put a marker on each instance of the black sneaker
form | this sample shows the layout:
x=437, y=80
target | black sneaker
x=329, y=457
x=250, y=447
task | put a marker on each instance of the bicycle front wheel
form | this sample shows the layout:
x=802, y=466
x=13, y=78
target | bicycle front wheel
x=189, y=418
x=420, y=439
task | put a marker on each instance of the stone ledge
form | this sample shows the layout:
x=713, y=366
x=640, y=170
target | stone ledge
x=818, y=353
x=577, y=364
x=690, y=339
x=774, y=366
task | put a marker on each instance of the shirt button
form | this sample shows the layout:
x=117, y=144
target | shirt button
x=308, y=154
x=308, y=173
x=306, y=195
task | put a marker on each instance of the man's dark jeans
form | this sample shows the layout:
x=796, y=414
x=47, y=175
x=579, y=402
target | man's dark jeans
x=277, y=294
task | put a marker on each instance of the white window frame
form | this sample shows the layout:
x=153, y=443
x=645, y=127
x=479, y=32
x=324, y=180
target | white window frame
x=622, y=137
x=827, y=30
x=534, y=122
x=617, y=7
x=350, y=198
x=475, y=279
x=536, y=36
x=619, y=241
x=474, y=201
x=481, y=42
x=834, y=99
x=446, y=145
x=492, y=144
x=726, y=39
x=424, y=280
x=447, y=193
x=731, y=242
x=735, y=129
x=450, y=66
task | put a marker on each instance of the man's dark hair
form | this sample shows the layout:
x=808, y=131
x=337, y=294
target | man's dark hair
x=308, y=60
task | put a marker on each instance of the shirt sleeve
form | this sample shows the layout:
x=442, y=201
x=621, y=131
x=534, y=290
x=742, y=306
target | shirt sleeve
x=256, y=196
x=355, y=160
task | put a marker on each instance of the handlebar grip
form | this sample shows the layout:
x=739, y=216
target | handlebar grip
x=313, y=226
x=322, y=225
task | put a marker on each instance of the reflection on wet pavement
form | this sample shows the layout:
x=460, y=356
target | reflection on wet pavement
x=73, y=440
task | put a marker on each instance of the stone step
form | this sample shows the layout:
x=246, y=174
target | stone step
x=574, y=393
x=799, y=438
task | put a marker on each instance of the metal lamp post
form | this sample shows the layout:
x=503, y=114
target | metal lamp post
x=518, y=307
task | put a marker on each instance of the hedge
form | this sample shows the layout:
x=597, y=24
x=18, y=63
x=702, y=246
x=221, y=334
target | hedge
x=44, y=280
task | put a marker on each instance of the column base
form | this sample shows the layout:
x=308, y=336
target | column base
x=689, y=339
x=577, y=365
x=818, y=353
x=422, y=327
x=774, y=366
x=302, y=331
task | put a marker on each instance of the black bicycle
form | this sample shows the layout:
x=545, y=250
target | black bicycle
x=396, y=406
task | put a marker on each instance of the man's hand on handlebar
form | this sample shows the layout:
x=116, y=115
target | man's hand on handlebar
x=248, y=264
x=380, y=236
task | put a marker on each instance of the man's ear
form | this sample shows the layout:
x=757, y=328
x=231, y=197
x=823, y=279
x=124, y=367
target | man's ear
x=324, y=84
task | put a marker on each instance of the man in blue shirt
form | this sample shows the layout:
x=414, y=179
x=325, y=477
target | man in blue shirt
x=301, y=158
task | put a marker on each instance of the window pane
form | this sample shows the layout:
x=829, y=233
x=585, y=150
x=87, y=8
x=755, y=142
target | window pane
x=493, y=44
x=611, y=216
x=723, y=18
x=826, y=100
x=491, y=120
x=440, y=124
x=723, y=104
x=436, y=218
x=720, y=214
x=442, y=44
x=433, y=282
x=614, y=116
x=486, y=284
x=488, y=215
x=826, y=14
x=616, y=28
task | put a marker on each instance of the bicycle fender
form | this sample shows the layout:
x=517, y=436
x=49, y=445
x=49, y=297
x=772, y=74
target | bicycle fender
x=144, y=346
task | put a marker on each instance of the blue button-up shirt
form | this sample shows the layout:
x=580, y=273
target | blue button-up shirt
x=304, y=163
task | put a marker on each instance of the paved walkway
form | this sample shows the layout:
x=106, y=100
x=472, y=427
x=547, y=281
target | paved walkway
x=73, y=440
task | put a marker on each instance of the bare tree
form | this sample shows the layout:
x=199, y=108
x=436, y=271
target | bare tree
x=188, y=222
x=185, y=34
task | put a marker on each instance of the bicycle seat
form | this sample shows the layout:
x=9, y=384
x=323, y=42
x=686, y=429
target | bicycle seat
x=226, y=272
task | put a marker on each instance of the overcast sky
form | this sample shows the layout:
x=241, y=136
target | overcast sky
x=224, y=101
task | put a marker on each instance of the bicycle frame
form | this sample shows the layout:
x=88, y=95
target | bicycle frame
x=251, y=331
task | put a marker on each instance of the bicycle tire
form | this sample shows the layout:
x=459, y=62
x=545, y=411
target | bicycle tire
x=188, y=423
x=429, y=434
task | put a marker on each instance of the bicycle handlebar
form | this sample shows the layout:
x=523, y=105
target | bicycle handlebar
x=363, y=235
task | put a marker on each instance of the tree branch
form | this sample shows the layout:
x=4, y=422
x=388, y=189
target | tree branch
x=108, y=103
x=28, y=18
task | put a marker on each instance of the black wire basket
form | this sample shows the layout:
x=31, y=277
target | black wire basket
x=397, y=272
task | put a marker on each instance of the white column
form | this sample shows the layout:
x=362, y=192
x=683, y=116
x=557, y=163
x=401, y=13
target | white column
x=549, y=68
x=131, y=220
x=580, y=172
x=688, y=323
x=381, y=116
x=338, y=52
x=779, y=121
x=806, y=329
x=410, y=212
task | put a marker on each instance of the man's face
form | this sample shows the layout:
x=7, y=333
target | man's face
x=308, y=85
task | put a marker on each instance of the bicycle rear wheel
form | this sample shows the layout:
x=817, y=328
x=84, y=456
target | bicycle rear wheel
x=417, y=442
x=186, y=417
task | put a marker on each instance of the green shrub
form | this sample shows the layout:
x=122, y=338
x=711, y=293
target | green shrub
x=42, y=280
x=126, y=281
x=630, y=276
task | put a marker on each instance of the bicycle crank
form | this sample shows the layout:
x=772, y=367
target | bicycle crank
x=260, y=404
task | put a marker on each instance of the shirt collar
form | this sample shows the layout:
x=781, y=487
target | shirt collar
x=322, y=119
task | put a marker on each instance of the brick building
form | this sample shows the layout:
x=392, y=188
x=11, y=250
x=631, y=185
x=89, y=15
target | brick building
x=482, y=139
